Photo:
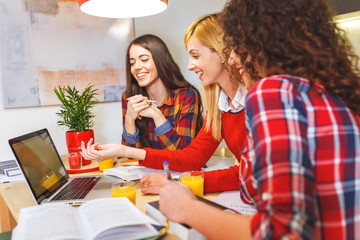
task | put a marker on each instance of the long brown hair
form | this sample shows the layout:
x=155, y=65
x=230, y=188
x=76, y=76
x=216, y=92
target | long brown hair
x=169, y=73
x=294, y=37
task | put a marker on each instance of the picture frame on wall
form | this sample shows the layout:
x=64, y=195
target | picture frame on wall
x=50, y=43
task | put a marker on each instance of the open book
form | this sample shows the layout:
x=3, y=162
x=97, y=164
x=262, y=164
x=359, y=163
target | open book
x=131, y=173
x=103, y=218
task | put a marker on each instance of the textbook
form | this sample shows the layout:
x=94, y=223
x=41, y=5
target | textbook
x=98, y=219
x=183, y=231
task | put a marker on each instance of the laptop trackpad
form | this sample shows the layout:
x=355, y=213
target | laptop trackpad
x=102, y=188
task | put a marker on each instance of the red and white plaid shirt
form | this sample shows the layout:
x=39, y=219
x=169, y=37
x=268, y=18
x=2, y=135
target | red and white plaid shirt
x=301, y=163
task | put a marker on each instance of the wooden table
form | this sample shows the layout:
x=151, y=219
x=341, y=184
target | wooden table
x=16, y=195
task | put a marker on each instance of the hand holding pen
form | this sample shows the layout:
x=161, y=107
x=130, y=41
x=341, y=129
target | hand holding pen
x=136, y=104
x=170, y=194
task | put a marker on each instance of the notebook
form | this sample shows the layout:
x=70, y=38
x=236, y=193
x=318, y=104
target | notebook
x=46, y=175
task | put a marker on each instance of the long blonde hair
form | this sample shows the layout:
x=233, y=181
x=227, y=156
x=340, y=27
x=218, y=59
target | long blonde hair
x=207, y=30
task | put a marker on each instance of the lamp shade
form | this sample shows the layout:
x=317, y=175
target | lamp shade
x=122, y=8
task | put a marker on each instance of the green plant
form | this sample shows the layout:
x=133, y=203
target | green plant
x=75, y=112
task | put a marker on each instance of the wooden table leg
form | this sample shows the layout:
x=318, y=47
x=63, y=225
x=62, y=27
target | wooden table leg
x=7, y=221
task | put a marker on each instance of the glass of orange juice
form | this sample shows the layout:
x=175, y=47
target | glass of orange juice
x=124, y=189
x=109, y=163
x=195, y=180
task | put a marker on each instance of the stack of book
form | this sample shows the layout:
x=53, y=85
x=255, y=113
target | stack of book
x=10, y=171
x=183, y=231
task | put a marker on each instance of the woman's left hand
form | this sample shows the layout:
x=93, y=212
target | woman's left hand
x=152, y=183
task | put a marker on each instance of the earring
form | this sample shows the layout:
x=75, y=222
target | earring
x=222, y=61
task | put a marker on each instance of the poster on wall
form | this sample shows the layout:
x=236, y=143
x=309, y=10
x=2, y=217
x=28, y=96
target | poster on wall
x=50, y=43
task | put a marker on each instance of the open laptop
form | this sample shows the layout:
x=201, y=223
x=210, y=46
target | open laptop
x=46, y=175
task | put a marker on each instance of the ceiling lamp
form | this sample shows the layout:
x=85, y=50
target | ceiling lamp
x=122, y=8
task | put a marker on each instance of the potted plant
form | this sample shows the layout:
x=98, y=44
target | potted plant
x=76, y=115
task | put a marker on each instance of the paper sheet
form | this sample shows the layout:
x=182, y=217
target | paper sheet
x=232, y=200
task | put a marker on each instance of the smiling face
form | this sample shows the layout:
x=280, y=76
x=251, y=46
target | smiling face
x=142, y=66
x=235, y=61
x=205, y=63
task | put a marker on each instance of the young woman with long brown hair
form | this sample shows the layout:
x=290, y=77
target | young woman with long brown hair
x=176, y=116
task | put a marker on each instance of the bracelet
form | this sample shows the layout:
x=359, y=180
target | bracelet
x=176, y=179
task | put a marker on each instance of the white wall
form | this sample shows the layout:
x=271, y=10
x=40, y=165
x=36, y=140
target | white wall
x=169, y=25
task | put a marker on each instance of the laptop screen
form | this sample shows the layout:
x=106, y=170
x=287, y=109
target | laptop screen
x=40, y=162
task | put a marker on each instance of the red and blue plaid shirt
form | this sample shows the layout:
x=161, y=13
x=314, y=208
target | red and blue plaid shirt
x=181, y=108
x=301, y=163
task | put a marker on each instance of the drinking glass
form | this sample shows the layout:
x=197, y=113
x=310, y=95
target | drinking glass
x=195, y=180
x=124, y=189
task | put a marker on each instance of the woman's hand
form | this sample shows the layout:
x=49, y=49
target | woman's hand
x=150, y=112
x=135, y=105
x=154, y=113
x=175, y=202
x=152, y=183
x=101, y=152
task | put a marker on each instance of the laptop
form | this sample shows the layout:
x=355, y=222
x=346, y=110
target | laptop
x=46, y=175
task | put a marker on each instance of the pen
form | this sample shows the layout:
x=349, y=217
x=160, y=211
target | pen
x=168, y=175
x=167, y=170
x=148, y=101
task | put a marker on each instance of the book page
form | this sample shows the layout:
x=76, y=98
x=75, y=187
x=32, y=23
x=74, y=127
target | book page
x=145, y=171
x=48, y=221
x=131, y=173
x=232, y=200
x=105, y=213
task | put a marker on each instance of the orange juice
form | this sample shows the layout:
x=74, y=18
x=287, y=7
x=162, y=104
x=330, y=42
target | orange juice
x=196, y=184
x=127, y=191
x=109, y=163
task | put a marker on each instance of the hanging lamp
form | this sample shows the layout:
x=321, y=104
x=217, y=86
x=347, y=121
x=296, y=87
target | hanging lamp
x=122, y=8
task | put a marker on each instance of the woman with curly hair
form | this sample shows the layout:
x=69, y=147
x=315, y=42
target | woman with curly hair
x=302, y=155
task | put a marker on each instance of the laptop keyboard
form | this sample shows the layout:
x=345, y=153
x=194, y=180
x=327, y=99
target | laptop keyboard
x=78, y=188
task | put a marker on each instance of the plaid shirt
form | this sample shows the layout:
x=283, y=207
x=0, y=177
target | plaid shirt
x=181, y=109
x=304, y=151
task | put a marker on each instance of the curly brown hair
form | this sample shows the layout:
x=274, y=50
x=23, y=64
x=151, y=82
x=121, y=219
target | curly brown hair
x=296, y=37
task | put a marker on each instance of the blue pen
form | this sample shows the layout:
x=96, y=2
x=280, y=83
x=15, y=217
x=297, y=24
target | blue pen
x=168, y=175
x=167, y=170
